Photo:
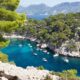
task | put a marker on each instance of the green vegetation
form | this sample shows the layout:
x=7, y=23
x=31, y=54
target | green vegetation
x=8, y=26
x=40, y=68
x=55, y=30
x=3, y=42
x=67, y=74
x=64, y=75
x=10, y=22
x=9, y=4
x=3, y=57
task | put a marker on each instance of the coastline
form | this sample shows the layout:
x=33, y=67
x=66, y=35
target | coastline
x=63, y=52
x=30, y=73
x=60, y=51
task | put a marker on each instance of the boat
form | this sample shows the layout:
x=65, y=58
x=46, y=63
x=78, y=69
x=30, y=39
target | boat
x=29, y=44
x=38, y=45
x=33, y=39
x=20, y=45
x=44, y=59
x=37, y=49
x=45, y=51
x=48, y=53
x=35, y=54
x=41, y=49
x=56, y=55
x=44, y=46
x=66, y=60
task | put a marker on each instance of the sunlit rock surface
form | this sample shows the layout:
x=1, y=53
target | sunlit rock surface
x=12, y=72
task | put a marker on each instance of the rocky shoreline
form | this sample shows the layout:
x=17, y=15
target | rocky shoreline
x=60, y=51
x=63, y=52
x=12, y=72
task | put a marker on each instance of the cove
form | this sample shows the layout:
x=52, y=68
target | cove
x=22, y=53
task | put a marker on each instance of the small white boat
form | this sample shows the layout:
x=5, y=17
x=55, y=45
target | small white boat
x=48, y=53
x=56, y=55
x=33, y=39
x=35, y=54
x=38, y=45
x=45, y=51
x=66, y=60
x=20, y=45
x=29, y=44
x=44, y=46
x=41, y=49
x=37, y=49
x=44, y=59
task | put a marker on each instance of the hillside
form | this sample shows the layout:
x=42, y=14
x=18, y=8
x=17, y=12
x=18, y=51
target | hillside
x=66, y=8
x=44, y=10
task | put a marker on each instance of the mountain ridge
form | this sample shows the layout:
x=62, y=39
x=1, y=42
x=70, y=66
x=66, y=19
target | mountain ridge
x=44, y=10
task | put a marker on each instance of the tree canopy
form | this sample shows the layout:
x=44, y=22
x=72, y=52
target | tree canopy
x=9, y=4
x=10, y=20
x=56, y=29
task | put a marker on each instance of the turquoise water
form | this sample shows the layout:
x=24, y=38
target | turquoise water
x=22, y=54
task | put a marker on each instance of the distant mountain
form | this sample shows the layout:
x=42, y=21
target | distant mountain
x=65, y=8
x=34, y=9
x=44, y=10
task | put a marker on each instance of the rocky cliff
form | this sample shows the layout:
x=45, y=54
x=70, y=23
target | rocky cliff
x=12, y=72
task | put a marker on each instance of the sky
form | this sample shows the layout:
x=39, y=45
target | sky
x=26, y=3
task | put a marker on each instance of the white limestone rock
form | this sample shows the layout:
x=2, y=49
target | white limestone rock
x=30, y=73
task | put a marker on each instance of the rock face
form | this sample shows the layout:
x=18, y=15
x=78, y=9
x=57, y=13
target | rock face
x=12, y=72
x=70, y=48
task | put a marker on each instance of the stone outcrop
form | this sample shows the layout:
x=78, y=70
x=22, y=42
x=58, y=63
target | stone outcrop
x=12, y=72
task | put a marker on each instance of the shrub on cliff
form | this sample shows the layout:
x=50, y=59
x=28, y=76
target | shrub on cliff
x=3, y=57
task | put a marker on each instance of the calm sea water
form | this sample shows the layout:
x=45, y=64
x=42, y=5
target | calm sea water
x=22, y=53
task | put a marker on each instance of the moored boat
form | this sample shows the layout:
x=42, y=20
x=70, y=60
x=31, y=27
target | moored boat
x=37, y=49
x=45, y=51
x=44, y=59
x=66, y=60
x=35, y=54
x=20, y=45
x=56, y=55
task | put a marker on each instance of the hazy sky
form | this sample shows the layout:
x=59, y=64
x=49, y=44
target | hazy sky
x=47, y=2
